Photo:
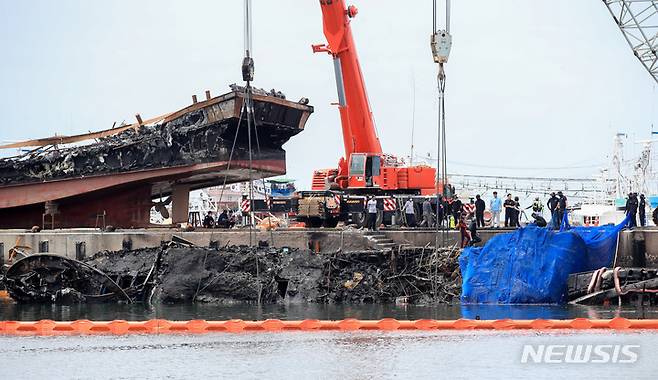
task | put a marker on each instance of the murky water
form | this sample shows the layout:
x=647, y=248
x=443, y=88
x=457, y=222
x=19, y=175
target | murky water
x=316, y=355
x=12, y=311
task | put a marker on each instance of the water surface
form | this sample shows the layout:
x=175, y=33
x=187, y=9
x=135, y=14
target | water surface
x=137, y=312
x=316, y=355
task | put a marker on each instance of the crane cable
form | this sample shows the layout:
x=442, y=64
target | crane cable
x=441, y=175
x=442, y=146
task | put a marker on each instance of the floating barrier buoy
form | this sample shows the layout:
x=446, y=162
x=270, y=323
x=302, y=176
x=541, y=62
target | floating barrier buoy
x=199, y=326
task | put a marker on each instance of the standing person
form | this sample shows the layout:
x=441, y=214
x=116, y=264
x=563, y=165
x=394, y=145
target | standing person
x=479, y=211
x=642, y=209
x=517, y=212
x=509, y=210
x=447, y=210
x=456, y=208
x=427, y=213
x=561, y=207
x=409, y=213
x=552, y=207
x=495, y=205
x=441, y=211
x=371, y=205
x=631, y=209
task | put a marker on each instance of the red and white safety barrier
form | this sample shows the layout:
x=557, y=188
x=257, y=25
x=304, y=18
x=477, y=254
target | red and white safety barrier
x=389, y=204
x=245, y=205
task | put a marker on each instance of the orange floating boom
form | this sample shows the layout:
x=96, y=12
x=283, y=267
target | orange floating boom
x=161, y=326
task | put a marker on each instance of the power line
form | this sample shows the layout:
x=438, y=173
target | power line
x=484, y=166
x=526, y=167
x=518, y=178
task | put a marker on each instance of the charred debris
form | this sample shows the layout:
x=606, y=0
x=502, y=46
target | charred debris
x=177, y=272
x=199, y=136
x=631, y=286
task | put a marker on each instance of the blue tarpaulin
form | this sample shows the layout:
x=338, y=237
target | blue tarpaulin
x=532, y=264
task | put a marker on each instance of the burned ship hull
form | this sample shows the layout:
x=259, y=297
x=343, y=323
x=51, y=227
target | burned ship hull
x=115, y=178
x=49, y=278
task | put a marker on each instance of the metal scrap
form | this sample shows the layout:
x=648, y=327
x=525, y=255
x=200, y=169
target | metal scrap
x=46, y=277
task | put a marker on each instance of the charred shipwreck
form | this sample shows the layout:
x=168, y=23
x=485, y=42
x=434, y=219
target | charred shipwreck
x=180, y=272
x=117, y=174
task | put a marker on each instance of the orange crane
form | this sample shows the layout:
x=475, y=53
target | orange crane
x=365, y=169
x=339, y=193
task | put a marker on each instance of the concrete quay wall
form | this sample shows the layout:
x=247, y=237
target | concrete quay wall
x=81, y=243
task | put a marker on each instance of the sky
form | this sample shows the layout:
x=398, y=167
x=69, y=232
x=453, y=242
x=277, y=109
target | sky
x=530, y=84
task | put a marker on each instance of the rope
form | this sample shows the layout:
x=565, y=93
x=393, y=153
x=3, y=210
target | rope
x=230, y=157
x=247, y=92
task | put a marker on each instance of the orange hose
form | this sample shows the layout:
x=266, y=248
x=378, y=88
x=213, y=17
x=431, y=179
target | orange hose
x=198, y=326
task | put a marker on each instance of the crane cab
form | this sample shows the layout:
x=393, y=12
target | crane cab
x=373, y=172
x=364, y=170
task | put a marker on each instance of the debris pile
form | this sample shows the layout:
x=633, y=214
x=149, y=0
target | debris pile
x=179, y=272
x=621, y=285
x=259, y=91
x=52, y=278
x=416, y=275
x=216, y=275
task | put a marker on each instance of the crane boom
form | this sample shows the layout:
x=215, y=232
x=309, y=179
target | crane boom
x=638, y=22
x=364, y=169
x=359, y=135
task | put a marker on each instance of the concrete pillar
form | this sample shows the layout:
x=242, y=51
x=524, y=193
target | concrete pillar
x=80, y=250
x=180, y=203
